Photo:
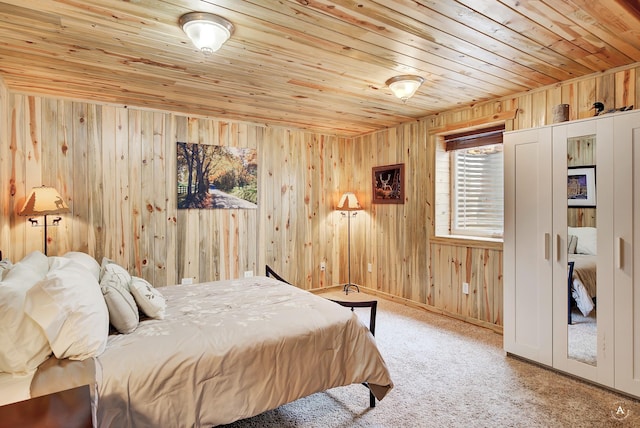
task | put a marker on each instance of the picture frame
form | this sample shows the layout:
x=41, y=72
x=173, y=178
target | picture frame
x=216, y=177
x=581, y=186
x=388, y=184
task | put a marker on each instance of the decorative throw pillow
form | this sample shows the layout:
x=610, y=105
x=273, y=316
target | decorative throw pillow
x=68, y=306
x=23, y=344
x=123, y=312
x=150, y=301
x=572, y=243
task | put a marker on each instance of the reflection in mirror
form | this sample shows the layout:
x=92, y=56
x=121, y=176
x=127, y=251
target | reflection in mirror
x=581, y=249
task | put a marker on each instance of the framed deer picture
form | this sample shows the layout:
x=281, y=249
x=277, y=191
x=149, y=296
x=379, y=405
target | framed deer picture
x=388, y=184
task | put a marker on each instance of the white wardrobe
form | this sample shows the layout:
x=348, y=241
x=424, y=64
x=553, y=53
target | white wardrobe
x=603, y=346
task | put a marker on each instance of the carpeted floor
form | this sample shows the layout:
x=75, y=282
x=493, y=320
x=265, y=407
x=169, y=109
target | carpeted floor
x=448, y=373
x=582, y=337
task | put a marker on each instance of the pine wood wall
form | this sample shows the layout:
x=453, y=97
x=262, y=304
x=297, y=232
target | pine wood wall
x=116, y=168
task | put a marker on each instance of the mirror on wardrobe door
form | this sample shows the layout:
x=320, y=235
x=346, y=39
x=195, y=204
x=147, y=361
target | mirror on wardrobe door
x=582, y=249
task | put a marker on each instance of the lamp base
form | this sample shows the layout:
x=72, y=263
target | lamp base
x=347, y=286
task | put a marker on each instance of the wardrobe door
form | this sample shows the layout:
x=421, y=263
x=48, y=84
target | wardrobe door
x=583, y=187
x=528, y=248
x=626, y=239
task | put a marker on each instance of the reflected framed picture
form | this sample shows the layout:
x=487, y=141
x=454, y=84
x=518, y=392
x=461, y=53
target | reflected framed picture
x=388, y=184
x=581, y=186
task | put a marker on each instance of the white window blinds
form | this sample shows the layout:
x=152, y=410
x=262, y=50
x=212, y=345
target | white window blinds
x=477, y=197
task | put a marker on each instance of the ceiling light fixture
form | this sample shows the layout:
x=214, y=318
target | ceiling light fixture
x=404, y=86
x=206, y=30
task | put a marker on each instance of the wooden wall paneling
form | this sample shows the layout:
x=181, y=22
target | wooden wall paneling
x=539, y=108
x=605, y=90
x=28, y=121
x=497, y=286
x=95, y=227
x=205, y=218
x=65, y=168
x=405, y=213
x=421, y=178
x=20, y=236
x=553, y=98
x=109, y=195
x=182, y=136
x=158, y=201
x=232, y=216
x=295, y=215
x=80, y=227
x=239, y=139
x=5, y=172
x=371, y=225
x=279, y=202
x=310, y=265
x=260, y=230
x=171, y=244
x=586, y=97
x=122, y=190
x=570, y=96
x=313, y=199
x=525, y=115
x=251, y=233
x=136, y=213
x=625, y=88
x=471, y=274
x=359, y=180
x=329, y=218
x=266, y=203
x=145, y=260
x=281, y=211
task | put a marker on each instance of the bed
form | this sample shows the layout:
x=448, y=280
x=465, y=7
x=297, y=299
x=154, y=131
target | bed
x=582, y=249
x=220, y=352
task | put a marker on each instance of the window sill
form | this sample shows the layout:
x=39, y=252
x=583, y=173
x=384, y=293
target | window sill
x=468, y=241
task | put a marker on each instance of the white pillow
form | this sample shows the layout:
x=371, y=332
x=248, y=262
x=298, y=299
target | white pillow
x=150, y=301
x=23, y=344
x=572, y=244
x=85, y=260
x=587, y=239
x=68, y=306
x=5, y=266
x=36, y=261
x=123, y=311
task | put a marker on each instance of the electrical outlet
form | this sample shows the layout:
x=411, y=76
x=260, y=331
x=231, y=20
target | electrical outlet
x=248, y=273
x=323, y=266
x=465, y=287
x=186, y=281
x=369, y=267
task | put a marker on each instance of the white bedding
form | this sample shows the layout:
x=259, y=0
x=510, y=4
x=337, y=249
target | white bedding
x=584, y=284
x=229, y=350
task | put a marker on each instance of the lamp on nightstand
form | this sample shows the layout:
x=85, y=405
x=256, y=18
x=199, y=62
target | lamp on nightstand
x=349, y=206
x=44, y=201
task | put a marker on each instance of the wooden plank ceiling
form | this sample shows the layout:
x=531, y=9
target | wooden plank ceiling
x=312, y=64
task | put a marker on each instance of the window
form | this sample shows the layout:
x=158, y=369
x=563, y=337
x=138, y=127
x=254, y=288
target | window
x=476, y=205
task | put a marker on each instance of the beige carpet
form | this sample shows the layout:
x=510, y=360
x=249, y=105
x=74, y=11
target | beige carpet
x=452, y=374
x=582, y=337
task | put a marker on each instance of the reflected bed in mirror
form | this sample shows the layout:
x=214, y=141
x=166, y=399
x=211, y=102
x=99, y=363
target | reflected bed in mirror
x=582, y=329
